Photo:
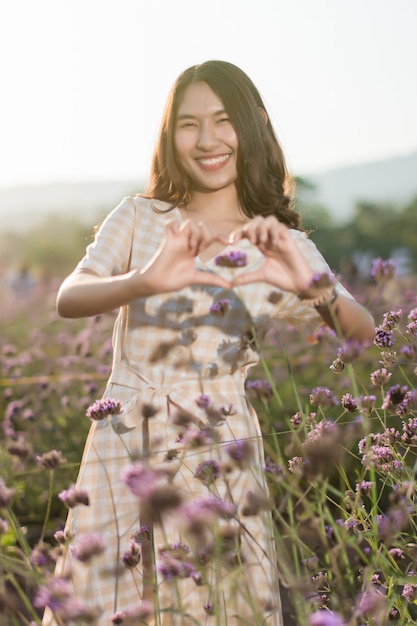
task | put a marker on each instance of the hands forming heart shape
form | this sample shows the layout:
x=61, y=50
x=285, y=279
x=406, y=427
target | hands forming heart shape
x=173, y=266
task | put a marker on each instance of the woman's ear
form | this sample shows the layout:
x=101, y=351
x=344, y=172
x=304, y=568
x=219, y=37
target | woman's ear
x=264, y=114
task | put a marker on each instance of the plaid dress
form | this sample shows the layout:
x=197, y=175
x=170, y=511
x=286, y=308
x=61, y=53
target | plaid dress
x=188, y=361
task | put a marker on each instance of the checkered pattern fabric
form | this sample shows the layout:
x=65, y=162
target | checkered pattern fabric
x=168, y=350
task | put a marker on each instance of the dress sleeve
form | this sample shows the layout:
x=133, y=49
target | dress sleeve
x=305, y=318
x=109, y=253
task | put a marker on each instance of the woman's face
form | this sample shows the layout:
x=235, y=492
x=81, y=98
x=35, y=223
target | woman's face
x=205, y=141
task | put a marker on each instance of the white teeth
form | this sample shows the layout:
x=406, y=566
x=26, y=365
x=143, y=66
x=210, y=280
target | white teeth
x=219, y=159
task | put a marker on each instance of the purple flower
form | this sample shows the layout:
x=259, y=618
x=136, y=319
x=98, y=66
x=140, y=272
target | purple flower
x=396, y=553
x=409, y=592
x=143, y=534
x=367, y=403
x=131, y=558
x=73, y=496
x=227, y=410
x=337, y=366
x=409, y=435
x=6, y=494
x=381, y=457
x=103, y=408
x=408, y=404
x=296, y=420
x=4, y=527
x=141, y=480
x=319, y=281
x=63, y=537
x=43, y=556
x=51, y=460
x=234, y=258
x=380, y=377
x=324, y=429
x=255, y=502
x=208, y=472
x=410, y=352
x=295, y=465
x=364, y=488
x=394, y=396
x=203, y=401
x=391, y=319
x=241, y=452
x=325, y=618
x=383, y=338
x=196, y=438
x=170, y=567
x=209, y=608
x=349, y=403
x=19, y=448
x=220, y=308
x=388, y=358
x=383, y=270
x=87, y=546
x=351, y=349
x=260, y=389
x=54, y=594
x=153, y=488
x=133, y=615
x=322, y=397
x=372, y=602
x=412, y=316
x=411, y=328
x=200, y=514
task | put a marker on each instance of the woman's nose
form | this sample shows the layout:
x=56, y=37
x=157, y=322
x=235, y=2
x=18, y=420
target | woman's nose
x=207, y=137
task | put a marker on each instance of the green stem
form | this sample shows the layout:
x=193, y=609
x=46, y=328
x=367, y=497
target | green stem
x=48, y=506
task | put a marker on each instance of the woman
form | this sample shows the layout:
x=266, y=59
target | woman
x=198, y=266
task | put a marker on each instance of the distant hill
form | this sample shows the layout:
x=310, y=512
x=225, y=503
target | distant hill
x=393, y=180
x=24, y=206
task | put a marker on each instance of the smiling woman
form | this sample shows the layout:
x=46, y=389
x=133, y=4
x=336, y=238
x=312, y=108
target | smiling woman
x=174, y=475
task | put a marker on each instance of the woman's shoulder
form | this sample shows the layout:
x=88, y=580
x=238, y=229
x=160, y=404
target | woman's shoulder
x=149, y=205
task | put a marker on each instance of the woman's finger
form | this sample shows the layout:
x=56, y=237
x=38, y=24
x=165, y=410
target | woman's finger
x=256, y=276
x=172, y=226
x=214, y=280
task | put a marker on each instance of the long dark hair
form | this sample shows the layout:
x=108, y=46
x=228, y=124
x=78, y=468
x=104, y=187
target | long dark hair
x=262, y=173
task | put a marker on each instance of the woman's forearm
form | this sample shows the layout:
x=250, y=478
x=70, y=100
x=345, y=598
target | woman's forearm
x=84, y=293
x=350, y=318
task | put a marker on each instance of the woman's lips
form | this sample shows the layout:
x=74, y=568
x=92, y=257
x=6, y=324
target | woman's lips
x=214, y=162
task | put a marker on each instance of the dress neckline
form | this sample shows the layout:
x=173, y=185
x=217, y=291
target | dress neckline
x=240, y=244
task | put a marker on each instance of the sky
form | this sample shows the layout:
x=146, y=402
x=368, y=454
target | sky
x=83, y=82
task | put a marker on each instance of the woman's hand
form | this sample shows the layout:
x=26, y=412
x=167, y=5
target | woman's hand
x=285, y=266
x=173, y=266
x=84, y=293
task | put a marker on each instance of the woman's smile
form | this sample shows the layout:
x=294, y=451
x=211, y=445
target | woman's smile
x=213, y=163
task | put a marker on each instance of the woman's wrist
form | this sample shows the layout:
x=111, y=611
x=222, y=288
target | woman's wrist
x=322, y=300
x=321, y=292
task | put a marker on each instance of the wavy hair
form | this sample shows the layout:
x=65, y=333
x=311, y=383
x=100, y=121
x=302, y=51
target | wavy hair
x=262, y=177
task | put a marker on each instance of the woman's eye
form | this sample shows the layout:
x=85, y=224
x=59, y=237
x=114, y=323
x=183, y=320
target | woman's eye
x=224, y=119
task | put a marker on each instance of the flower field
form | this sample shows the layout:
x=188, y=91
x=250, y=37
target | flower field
x=340, y=436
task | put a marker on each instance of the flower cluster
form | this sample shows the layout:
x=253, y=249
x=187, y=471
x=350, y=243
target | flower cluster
x=103, y=408
x=234, y=258
x=341, y=477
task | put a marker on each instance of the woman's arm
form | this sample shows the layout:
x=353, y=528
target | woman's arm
x=351, y=319
x=84, y=293
x=286, y=268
